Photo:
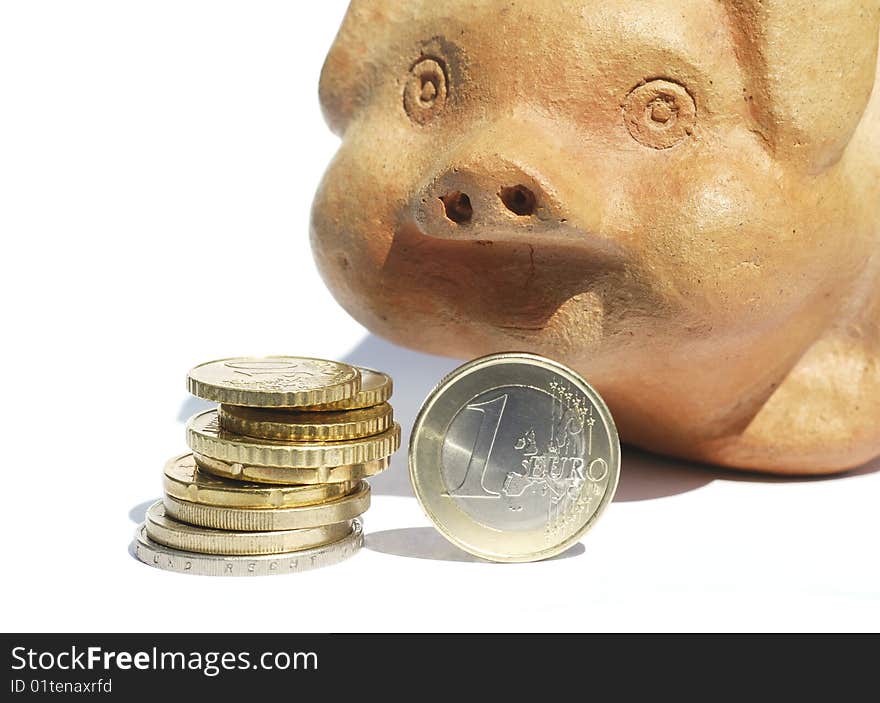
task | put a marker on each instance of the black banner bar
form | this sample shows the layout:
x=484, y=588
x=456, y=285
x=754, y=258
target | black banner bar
x=130, y=666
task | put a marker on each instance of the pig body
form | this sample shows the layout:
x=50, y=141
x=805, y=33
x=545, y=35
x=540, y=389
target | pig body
x=680, y=199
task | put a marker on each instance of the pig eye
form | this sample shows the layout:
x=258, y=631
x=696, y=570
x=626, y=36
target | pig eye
x=426, y=91
x=659, y=114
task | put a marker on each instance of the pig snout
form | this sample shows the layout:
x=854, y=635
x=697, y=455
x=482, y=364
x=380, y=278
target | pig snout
x=487, y=200
x=510, y=184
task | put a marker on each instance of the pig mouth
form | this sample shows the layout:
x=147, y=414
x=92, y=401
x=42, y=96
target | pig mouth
x=516, y=284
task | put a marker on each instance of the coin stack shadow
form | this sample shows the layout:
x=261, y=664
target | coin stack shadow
x=271, y=490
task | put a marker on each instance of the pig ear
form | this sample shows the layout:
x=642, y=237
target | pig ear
x=811, y=66
x=348, y=72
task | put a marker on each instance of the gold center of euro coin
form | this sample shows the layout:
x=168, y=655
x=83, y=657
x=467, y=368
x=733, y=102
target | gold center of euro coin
x=294, y=426
x=274, y=382
x=184, y=481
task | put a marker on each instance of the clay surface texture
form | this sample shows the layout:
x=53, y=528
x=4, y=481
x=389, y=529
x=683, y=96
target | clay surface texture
x=680, y=199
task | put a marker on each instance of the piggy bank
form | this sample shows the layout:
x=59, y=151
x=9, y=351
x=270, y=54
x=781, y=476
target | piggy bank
x=680, y=199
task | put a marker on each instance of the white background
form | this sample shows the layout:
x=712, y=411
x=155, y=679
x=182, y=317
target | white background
x=157, y=164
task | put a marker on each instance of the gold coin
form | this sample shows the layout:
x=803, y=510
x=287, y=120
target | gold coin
x=288, y=476
x=204, y=540
x=184, y=481
x=270, y=519
x=204, y=436
x=274, y=381
x=376, y=388
x=295, y=426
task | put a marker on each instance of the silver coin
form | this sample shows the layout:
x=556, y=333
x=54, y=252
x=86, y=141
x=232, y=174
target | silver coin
x=169, y=559
x=514, y=457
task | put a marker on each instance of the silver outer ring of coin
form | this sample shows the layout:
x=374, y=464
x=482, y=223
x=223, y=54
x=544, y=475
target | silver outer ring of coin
x=425, y=464
x=168, y=559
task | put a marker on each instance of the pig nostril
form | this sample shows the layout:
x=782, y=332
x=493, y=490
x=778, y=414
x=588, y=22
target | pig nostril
x=458, y=207
x=519, y=200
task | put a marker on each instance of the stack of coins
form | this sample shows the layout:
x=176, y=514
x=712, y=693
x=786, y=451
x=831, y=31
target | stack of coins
x=275, y=482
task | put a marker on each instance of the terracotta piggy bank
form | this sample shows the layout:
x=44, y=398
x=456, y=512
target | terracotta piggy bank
x=679, y=198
